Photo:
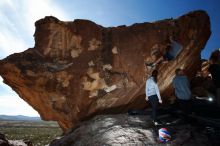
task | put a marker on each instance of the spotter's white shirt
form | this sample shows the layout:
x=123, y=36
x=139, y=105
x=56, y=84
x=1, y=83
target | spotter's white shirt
x=152, y=88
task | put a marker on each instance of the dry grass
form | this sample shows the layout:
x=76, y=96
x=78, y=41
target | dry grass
x=39, y=132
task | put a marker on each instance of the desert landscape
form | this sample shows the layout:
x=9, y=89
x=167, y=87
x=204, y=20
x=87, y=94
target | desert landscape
x=37, y=132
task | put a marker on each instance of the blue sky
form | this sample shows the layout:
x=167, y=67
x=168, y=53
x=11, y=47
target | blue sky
x=17, y=19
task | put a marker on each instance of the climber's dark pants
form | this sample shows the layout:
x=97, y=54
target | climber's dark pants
x=154, y=103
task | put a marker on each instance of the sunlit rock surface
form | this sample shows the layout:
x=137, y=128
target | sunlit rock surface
x=78, y=69
x=5, y=142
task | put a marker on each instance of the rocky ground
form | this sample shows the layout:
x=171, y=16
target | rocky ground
x=124, y=129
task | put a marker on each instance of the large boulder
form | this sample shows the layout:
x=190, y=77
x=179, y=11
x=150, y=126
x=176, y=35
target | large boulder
x=79, y=69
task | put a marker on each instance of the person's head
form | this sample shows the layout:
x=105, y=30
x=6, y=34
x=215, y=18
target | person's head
x=179, y=71
x=171, y=37
x=168, y=48
x=155, y=55
x=154, y=74
x=215, y=56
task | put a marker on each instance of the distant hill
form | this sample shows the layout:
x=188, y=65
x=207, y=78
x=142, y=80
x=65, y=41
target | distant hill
x=19, y=118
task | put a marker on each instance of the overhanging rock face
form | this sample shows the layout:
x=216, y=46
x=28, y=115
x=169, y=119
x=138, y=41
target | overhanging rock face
x=79, y=69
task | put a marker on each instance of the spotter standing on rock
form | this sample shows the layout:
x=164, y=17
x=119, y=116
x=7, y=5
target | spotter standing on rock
x=153, y=94
x=214, y=69
x=182, y=91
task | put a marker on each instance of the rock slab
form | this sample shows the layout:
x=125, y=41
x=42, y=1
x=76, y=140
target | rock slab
x=79, y=69
x=123, y=129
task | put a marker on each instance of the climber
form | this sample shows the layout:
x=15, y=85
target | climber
x=172, y=49
x=214, y=69
x=175, y=48
x=168, y=56
x=182, y=91
x=153, y=95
